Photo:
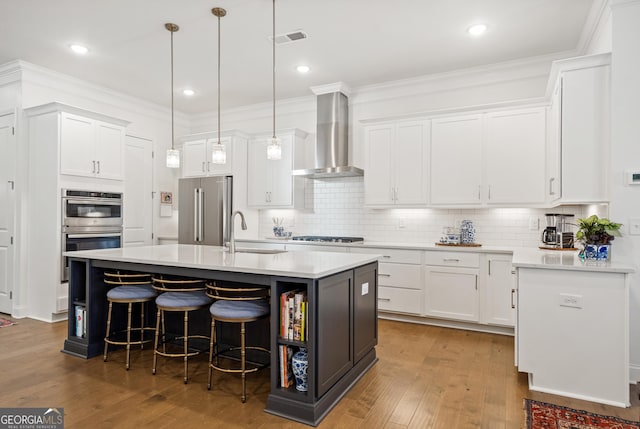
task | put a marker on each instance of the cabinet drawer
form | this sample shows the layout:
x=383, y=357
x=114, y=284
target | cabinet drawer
x=398, y=256
x=400, y=275
x=453, y=259
x=400, y=300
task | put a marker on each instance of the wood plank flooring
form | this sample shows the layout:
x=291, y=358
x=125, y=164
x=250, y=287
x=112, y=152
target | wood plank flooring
x=427, y=377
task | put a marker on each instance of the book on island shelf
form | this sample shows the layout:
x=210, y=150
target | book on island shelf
x=293, y=315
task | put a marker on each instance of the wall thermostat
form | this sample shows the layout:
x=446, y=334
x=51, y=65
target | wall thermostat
x=633, y=177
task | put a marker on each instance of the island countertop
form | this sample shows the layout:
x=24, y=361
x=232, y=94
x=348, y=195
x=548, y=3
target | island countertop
x=310, y=265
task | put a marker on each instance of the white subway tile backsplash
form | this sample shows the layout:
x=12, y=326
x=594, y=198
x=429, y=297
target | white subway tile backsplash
x=338, y=209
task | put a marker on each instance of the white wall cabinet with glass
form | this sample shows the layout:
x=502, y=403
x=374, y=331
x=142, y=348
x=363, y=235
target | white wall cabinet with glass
x=580, y=138
x=197, y=153
x=270, y=183
x=490, y=159
x=91, y=147
x=396, y=172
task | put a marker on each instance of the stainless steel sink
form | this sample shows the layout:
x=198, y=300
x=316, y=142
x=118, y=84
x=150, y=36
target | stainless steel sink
x=263, y=251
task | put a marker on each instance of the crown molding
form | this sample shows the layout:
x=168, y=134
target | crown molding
x=624, y=3
x=598, y=11
x=10, y=72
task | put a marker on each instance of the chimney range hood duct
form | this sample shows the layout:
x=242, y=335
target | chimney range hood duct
x=332, y=143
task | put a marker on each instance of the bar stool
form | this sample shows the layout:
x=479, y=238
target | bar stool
x=130, y=288
x=178, y=295
x=234, y=303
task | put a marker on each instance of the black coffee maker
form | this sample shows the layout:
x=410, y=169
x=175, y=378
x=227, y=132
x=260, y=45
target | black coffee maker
x=557, y=234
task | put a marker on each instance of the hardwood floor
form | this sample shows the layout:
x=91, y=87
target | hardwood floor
x=427, y=377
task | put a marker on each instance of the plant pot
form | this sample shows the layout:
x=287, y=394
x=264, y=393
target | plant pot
x=596, y=252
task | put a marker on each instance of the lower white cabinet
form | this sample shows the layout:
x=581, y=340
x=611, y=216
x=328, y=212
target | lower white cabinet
x=499, y=307
x=399, y=300
x=452, y=293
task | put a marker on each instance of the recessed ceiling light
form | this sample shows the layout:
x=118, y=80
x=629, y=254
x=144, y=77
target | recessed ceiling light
x=303, y=69
x=188, y=92
x=477, y=30
x=79, y=49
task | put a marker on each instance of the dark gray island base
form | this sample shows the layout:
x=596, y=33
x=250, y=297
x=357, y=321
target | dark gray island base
x=342, y=327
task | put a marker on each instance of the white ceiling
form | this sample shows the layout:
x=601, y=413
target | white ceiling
x=359, y=42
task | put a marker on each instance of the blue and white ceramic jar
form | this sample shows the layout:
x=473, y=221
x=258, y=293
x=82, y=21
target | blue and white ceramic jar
x=299, y=364
x=467, y=232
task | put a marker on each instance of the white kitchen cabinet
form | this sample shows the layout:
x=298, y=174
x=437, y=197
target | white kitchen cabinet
x=396, y=172
x=554, y=172
x=270, y=183
x=514, y=157
x=489, y=159
x=456, y=160
x=197, y=155
x=573, y=332
x=90, y=147
x=400, y=284
x=451, y=285
x=585, y=135
x=499, y=291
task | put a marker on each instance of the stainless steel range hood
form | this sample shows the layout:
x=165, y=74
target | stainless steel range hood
x=332, y=136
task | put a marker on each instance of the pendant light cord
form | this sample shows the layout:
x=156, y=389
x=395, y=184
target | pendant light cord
x=274, y=67
x=172, y=128
x=219, y=142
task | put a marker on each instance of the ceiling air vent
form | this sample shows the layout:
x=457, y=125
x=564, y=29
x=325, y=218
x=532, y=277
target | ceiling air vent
x=292, y=36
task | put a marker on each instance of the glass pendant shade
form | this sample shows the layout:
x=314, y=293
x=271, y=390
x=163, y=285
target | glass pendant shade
x=219, y=154
x=173, y=158
x=274, y=149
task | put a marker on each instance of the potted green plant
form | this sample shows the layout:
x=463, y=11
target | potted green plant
x=596, y=234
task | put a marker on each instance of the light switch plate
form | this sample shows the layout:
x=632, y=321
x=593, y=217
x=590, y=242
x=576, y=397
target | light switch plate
x=570, y=300
x=533, y=223
x=634, y=226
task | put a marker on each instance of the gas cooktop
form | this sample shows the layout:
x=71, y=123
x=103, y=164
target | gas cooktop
x=327, y=239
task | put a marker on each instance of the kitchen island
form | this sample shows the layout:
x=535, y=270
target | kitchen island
x=342, y=309
x=572, y=334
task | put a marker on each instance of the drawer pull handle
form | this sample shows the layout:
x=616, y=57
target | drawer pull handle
x=384, y=299
x=384, y=275
x=513, y=304
x=451, y=260
x=386, y=256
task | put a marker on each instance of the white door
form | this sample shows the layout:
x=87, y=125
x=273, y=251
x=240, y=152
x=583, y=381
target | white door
x=456, y=160
x=109, y=151
x=138, y=185
x=378, y=182
x=7, y=171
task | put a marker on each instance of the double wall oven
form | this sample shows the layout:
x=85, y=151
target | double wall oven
x=90, y=220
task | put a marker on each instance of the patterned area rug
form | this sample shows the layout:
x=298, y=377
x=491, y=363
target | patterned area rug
x=6, y=322
x=540, y=415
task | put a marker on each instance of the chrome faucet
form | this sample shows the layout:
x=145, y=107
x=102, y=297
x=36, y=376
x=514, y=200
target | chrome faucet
x=232, y=239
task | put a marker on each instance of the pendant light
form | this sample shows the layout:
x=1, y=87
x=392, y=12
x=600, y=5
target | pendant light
x=173, y=155
x=274, y=148
x=219, y=154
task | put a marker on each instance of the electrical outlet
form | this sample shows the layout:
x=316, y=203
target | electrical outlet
x=570, y=300
x=634, y=226
x=534, y=223
x=401, y=223
x=365, y=288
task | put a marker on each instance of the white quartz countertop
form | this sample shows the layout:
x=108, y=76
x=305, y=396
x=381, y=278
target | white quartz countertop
x=564, y=260
x=384, y=244
x=310, y=265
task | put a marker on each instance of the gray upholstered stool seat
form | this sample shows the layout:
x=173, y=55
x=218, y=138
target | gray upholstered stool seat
x=239, y=309
x=129, y=288
x=132, y=292
x=178, y=295
x=183, y=299
x=236, y=303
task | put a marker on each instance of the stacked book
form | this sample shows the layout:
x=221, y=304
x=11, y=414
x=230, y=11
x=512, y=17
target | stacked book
x=286, y=373
x=293, y=315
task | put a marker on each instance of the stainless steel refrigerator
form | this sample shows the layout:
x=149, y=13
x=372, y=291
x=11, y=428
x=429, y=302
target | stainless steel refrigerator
x=205, y=206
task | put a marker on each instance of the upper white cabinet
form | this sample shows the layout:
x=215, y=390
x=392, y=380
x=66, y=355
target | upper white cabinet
x=582, y=107
x=554, y=172
x=456, y=160
x=514, y=149
x=496, y=158
x=91, y=147
x=270, y=183
x=397, y=163
x=197, y=154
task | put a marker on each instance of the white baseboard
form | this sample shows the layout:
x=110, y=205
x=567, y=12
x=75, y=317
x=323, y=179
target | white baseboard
x=19, y=312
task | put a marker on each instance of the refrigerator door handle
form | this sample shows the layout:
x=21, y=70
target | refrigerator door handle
x=196, y=214
x=201, y=223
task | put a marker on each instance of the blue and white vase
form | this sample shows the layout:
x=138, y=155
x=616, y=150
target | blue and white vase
x=299, y=364
x=467, y=232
